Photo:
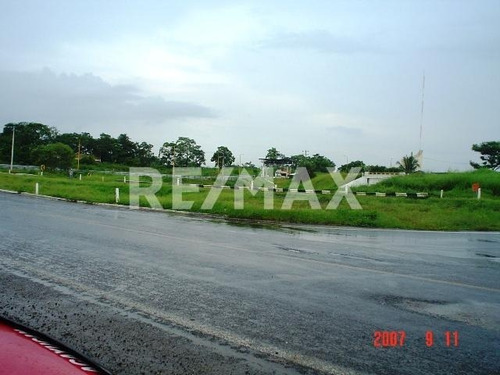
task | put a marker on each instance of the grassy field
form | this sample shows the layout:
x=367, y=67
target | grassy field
x=458, y=210
x=453, y=184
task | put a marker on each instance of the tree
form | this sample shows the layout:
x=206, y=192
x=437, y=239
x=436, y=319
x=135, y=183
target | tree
x=87, y=144
x=353, y=164
x=313, y=164
x=321, y=163
x=273, y=153
x=182, y=153
x=106, y=148
x=54, y=155
x=274, y=157
x=381, y=169
x=303, y=161
x=27, y=137
x=5, y=145
x=408, y=164
x=82, y=144
x=298, y=160
x=490, y=155
x=70, y=139
x=223, y=157
x=87, y=159
x=126, y=150
x=144, y=154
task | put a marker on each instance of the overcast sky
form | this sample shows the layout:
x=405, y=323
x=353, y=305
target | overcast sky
x=338, y=78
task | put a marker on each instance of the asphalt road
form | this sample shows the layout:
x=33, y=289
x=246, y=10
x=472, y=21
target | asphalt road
x=145, y=292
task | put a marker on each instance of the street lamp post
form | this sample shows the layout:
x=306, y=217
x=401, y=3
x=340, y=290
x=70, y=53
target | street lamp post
x=12, y=148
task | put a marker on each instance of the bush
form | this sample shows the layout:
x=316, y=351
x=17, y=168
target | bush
x=54, y=156
x=87, y=160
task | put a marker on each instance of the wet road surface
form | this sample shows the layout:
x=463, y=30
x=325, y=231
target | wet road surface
x=145, y=292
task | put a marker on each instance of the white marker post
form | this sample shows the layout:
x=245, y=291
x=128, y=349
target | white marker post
x=117, y=195
x=36, y=188
x=80, y=177
x=441, y=196
x=479, y=193
x=124, y=179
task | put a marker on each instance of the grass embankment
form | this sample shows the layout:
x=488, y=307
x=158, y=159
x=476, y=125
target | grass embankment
x=453, y=184
x=458, y=210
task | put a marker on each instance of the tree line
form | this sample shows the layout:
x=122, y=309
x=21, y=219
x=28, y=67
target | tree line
x=37, y=144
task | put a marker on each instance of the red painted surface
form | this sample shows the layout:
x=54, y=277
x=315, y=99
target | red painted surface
x=21, y=354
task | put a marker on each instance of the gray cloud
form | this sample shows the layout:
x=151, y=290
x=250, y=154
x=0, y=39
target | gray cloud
x=317, y=40
x=85, y=100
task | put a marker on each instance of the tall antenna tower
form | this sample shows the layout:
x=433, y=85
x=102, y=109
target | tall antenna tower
x=420, y=154
x=422, y=111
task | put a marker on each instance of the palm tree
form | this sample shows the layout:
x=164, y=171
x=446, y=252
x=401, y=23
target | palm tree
x=409, y=164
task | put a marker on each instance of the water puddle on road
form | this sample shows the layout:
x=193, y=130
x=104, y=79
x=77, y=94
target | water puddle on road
x=261, y=225
x=490, y=257
x=475, y=314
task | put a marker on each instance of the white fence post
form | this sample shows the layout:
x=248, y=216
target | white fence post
x=441, y=193
x=117, y=195
x=124, y=179
x=80, y=177
x=36, y=188
x=479, y=193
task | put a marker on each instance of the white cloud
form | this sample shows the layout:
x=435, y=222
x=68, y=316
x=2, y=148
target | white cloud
x=218, y=28
x=317, y=40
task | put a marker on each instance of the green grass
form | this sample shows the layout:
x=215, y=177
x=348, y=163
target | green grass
x=459, y=210
x=453, y=184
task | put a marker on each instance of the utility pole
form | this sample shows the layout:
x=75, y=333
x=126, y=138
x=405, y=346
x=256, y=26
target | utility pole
x=12, y=148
